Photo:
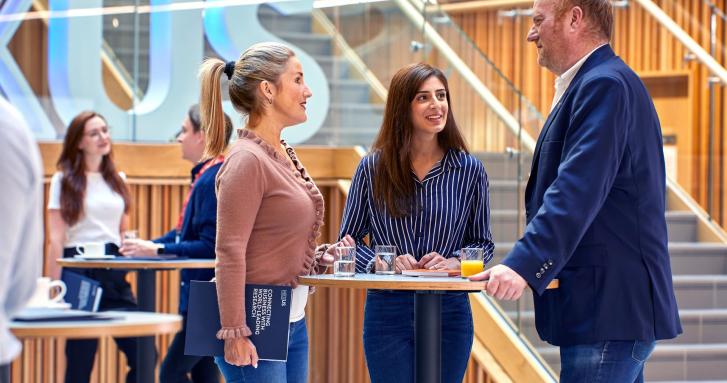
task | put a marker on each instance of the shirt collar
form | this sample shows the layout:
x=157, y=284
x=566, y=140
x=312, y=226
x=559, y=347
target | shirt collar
x=452, y=159
x=565, y=79
x=198, y=167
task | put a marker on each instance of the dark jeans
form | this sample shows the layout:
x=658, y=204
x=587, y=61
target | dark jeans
x=295, y=370
x=605, y=362
x=5, y=373
x=116, y=295
x=388, y=336
x=176, y=365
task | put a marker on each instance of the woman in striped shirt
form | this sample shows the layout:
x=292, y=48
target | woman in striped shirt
x=421, y=191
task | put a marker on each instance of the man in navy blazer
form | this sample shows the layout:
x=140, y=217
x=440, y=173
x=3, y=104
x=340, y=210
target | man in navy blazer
x=595, y=205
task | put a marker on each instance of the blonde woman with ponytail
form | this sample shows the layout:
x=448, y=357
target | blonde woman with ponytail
x=260, y=186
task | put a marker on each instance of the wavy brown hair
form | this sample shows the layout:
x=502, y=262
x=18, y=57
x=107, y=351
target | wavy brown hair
x=73, y=166
x=393, y=185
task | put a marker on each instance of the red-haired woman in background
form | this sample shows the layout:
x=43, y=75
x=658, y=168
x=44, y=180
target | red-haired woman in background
x=88, y=203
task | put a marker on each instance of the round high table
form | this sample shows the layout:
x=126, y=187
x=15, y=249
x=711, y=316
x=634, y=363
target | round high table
x=427, y=309
x=146, y=269
x=122, y=324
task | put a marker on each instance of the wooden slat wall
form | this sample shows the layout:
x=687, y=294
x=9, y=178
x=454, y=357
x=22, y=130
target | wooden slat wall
x=647, y=48
x=335, y=316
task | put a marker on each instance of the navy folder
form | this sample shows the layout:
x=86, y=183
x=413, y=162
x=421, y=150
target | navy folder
x=82, y=292
x=268, y=316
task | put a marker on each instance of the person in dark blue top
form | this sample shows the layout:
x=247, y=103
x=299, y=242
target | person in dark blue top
x=418, y=190
x=193, y=237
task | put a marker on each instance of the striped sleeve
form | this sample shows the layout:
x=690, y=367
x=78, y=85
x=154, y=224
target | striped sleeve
x=356, y=221
x=478, y=228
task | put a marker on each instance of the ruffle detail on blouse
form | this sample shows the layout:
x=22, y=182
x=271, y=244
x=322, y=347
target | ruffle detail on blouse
x=233, y=332
x=319, y=209
x=269, y=149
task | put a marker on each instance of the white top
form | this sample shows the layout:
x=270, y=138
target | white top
x=297, y=307
x=103, y=210
x=563, y=81
x=21, y=231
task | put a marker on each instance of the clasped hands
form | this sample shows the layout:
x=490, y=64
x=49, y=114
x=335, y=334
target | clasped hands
x=431, y=261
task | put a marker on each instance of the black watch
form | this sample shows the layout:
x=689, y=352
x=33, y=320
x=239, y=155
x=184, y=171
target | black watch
x=160, y=249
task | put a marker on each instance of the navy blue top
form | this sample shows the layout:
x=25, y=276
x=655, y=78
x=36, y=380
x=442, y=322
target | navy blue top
x=199, y=228
x=453, y=211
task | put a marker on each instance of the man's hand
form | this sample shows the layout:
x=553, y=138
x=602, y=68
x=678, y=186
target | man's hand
x=502, y=282
x=139, y=248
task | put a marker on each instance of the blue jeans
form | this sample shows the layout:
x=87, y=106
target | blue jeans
x=388, y=336
x=605, y=362
x=295, y=370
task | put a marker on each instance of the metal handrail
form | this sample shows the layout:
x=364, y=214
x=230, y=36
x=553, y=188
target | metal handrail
x=490, y=99
x=702, y=55
x=350, y=54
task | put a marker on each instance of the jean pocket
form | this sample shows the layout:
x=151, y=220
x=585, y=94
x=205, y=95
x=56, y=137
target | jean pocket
x=642, y=349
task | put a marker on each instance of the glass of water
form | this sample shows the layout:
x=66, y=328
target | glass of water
x=385, y=256
x=345, y=263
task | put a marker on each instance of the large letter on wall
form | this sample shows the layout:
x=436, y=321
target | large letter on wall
x=232, y=30
x=75, y=75
x=12, y=82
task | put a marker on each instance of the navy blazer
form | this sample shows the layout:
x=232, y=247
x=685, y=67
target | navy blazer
x=595, y=218
x=199, y=230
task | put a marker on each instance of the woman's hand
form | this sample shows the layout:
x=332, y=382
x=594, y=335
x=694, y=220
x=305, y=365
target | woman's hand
x=138, y=247
x=405, y=262
x=447, y=264
x=240, y=352
x=329, y=256
x=430, y=260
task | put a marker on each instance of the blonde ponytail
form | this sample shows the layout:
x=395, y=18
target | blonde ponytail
x=261, y=62
x=210, y=105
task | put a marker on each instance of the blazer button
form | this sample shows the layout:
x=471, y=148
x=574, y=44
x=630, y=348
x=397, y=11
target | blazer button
x=550, y=262
x=542, y=270
x=538, y=275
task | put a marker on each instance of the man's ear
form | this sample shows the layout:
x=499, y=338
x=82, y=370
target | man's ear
x=576, y=17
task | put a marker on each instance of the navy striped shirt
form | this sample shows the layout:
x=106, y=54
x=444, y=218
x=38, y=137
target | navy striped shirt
x=453, y=211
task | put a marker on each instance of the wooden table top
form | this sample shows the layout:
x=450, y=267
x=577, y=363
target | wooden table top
x=401, y=282
x=124, y=324
x=138, y=264
x=394, y=282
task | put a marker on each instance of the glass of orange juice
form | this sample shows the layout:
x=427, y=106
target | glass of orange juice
x=471, y=260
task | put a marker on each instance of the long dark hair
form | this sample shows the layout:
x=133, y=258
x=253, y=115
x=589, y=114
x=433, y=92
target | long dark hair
x=73, y=166
x=393, y=186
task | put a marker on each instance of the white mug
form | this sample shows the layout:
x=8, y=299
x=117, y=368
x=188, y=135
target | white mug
x=43, y=287
x=91, y=249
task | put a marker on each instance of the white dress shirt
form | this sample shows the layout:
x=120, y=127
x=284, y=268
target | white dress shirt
x=563, y=81
x=21, y=231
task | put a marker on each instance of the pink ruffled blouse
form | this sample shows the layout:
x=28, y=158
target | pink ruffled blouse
x=269, y=215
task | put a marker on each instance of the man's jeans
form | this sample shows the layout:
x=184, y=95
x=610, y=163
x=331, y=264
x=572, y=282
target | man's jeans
x=605, y=362
x=295, y=370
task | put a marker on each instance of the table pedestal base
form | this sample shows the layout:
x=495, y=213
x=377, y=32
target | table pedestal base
x=146, y=296
x=428, y=343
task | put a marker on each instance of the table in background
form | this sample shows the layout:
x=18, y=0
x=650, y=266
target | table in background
x=145, y=292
